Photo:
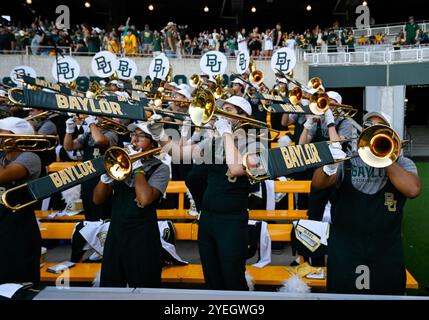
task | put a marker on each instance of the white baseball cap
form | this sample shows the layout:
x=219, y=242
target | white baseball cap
x=16, y=125
x=379, y=114
x=139, y=125
x=237, y=101
x=115, y=82
x=184, y=86
x=212, y=79
x=173, y=84
x=335, y=95
x=239, y=81
x=185, y=92
x=282, y=80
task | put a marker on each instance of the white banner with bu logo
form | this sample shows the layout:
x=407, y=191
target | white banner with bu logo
x=283, y=60
x=213, y=63
x=242, y=62
x=103, y=64
x=21, y=71
x=126, y=68
x=65, y=70
x=159, y=67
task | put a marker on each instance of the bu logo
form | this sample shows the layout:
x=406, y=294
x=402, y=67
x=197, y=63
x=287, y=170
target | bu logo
x=63, y=68
x=213, y=63
x=96, y=152
x=242, y=61
x=124, y=68
x=282, y=61
x=19, y=73
x=390, y=202
x=157, y=68
x=102, y=64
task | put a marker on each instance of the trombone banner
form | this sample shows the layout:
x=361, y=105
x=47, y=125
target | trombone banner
x=289, y=108
x=287, y=160
x=65, y=179
x=52, y=86
x=66, y=103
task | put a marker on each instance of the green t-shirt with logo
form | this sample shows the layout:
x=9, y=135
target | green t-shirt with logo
x=370, y=180
x=147, y=36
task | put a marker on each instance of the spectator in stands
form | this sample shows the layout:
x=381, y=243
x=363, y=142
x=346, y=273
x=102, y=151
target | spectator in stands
x=92, y=39
x=363, y=40
x=39, y=36
x=80, y=47
x=130, y=43
x=268, y=43
x=349, y=41
x=242, y=40
x=147, y=39
x=132, y=254
x=379, y=38
x=170, y=40
x=7, y=40
x=113, y=44
x=332, y=41
x=365, y=235
x=277, y=36
x=157, y=43
x=411, y=31
x=254, y=43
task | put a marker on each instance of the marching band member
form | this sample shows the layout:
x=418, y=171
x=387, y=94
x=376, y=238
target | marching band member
x=20, y=241
x=366, y=215
x=132, y=253
x=94, y=143
x=222, y=232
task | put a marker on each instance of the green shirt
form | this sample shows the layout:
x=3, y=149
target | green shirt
x=147, y=36
x=157, y=44
x=411, y=30
x=94, y=44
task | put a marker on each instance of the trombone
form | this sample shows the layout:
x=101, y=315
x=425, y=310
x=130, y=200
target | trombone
x=46, y=115
x=27, y=142
x=119, y=164
x=107, y=124
x=203, y=108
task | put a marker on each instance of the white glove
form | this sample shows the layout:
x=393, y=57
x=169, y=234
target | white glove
x=106, y=179
x=329, y=117
x=310, y=124
x=223, y=126
x=137, y=164
x=70, y=125
x=156, y=129
x=186, y=127
x=90, y=120
x=337, y=154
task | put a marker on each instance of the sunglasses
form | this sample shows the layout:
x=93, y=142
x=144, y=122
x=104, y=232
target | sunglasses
x=139, y=135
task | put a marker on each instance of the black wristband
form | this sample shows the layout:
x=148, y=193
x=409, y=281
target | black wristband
x=331, y=125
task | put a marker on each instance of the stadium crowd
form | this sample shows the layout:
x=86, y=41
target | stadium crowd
x=176, y=40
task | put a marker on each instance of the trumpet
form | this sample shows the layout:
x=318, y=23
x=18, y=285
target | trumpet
x=28, y=142
x=320, y=103
x=256, y=77
x=195, y=80
x=95, y=91
x=119, y=164
x=220, y=92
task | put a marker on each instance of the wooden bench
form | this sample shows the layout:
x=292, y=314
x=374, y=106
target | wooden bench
x=193, y=273
x=184, y=231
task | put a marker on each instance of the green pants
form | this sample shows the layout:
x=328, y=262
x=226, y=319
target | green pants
x=222, y=243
